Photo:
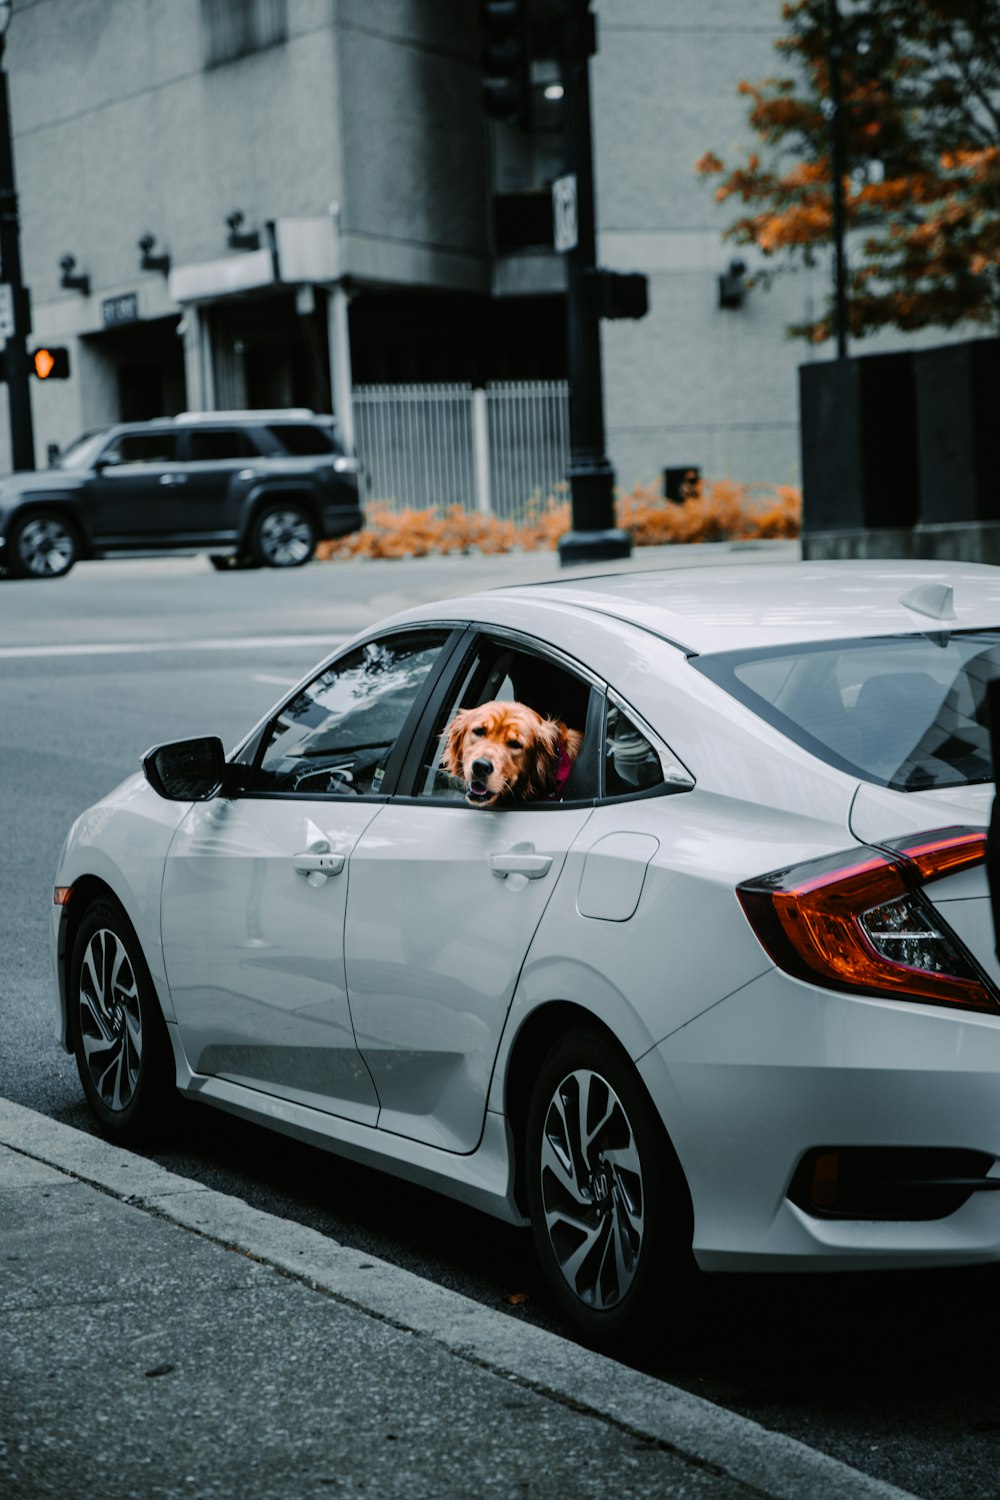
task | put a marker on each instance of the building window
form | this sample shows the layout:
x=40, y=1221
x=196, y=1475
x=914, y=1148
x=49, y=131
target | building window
x=234, y=28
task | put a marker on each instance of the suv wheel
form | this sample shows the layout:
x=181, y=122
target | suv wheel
x=41, y=546
x=283, y=536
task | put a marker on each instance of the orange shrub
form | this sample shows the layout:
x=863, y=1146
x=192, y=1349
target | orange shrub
x=714, y=512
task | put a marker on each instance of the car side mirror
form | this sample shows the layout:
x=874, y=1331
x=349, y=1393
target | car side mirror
x=186, y=770
x=106, y=461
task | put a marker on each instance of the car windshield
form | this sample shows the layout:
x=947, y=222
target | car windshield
x=907, y=712
x=81, y=453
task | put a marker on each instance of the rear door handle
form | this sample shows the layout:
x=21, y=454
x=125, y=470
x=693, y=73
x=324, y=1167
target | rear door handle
x=534, y=866
x=310, y=862
x=173, y=479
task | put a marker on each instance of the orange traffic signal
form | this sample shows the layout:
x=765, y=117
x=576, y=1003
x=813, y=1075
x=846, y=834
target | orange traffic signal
x=51, y=364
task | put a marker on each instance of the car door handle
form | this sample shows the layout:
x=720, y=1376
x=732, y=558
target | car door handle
x=310, y=862
x=534, y=866
x=173, y=479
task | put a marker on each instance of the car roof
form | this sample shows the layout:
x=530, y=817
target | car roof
x=288, y=415
x=725, y=608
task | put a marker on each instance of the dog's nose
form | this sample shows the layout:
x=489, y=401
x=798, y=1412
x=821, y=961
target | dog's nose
x=482, y=767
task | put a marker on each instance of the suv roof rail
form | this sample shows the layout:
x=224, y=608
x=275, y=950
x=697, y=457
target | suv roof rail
x=260, y=414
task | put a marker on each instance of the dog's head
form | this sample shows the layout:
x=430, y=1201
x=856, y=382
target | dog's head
x=503, y=751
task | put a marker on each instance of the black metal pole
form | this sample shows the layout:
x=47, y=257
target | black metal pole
x=838, y=167
x=594, y=537
x=22, y=440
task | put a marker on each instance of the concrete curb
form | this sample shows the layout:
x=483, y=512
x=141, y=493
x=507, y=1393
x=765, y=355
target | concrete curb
x=709, y=1435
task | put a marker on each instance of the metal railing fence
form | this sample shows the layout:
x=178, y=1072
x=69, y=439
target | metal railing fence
x=498, y=450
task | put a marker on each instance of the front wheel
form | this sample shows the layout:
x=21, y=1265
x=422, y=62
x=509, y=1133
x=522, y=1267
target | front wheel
x=123, y=1053
x=41, y=546
x=610, y=1210
x=283, y=536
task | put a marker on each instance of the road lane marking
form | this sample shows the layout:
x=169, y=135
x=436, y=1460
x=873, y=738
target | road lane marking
x=132, y=648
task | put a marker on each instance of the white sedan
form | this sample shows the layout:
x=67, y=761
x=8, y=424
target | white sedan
x=731, y=1002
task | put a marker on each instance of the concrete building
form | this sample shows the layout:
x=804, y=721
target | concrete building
x=263, y=201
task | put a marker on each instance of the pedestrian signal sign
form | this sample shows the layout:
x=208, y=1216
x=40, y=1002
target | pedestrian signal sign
x=51, y=364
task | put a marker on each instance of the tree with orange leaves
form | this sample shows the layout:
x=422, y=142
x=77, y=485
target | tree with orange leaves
x=919, y=123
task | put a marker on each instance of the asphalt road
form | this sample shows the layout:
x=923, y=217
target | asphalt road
x=895, y=1374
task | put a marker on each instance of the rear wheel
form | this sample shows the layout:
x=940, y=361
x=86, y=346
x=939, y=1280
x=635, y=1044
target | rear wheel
x=41, y=546
x=283, y=536
x=610, y=1210
x=123, y=1053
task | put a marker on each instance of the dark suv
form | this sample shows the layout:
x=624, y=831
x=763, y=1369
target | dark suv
x=252, y=488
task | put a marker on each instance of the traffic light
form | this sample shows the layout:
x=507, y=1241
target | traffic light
x=506, y=60
x=50, y=363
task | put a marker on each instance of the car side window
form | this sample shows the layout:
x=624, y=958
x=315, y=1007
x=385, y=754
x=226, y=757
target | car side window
x=220, y=443
x=501, y=670
x=143, y=448
x=337, y=733
x=631, y=764
x=303, y=439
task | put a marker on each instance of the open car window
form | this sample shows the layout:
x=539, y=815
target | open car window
x=336, y=735
x=499, y=669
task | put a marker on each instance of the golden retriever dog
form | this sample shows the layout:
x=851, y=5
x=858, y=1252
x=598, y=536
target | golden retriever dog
x=506, y=752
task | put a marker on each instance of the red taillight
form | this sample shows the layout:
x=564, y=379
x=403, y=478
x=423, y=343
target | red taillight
x=857, y=921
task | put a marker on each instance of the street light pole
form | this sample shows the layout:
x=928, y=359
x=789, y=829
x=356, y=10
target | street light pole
x=22, y=441
x=594, y=537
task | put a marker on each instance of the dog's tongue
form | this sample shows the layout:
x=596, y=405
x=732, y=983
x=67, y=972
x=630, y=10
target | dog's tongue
x=478, y=787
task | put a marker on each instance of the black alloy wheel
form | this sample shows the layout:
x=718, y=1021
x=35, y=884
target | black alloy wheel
x=283, y=536
x=41, y=546
x=123, y=1053
x=610, y=1210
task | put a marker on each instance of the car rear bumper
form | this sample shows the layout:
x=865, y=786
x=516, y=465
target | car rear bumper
x=341, y=519
x=744, y=1109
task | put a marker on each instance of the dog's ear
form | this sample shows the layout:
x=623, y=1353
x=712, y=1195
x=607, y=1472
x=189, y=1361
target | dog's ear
x=544, y=759
x=452, y=758
x=572, y=740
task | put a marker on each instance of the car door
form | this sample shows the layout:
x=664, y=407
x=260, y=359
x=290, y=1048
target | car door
x=442, y=905
x=254, y=888
x=136, y=493
x=215, y=456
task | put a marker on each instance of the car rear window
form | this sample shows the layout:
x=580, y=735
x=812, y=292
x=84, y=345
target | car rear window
x=907, y=712
x=304, y=439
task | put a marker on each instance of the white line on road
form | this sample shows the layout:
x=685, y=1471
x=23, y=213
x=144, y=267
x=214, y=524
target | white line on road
x=276, y=681
x=125, y=648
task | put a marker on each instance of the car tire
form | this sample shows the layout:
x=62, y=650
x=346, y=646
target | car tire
x=42, y=546
x=120, y=1040
x=609, y=1207
x=283, y=536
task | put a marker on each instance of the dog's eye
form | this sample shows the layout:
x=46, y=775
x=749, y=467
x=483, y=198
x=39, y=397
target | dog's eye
x=514, y=745
x=479, y=729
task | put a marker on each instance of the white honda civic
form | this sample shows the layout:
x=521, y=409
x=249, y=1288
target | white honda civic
x=726, y=996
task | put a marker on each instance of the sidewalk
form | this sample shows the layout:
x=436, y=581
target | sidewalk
x=160, y=1339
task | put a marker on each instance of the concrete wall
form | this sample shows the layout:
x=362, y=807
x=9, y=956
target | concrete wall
x=692, y=383
x=415, y=200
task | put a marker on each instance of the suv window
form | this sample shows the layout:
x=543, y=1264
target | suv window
x=208, y=443
x=144, y=448
x=304, y=439
x=336, y=735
